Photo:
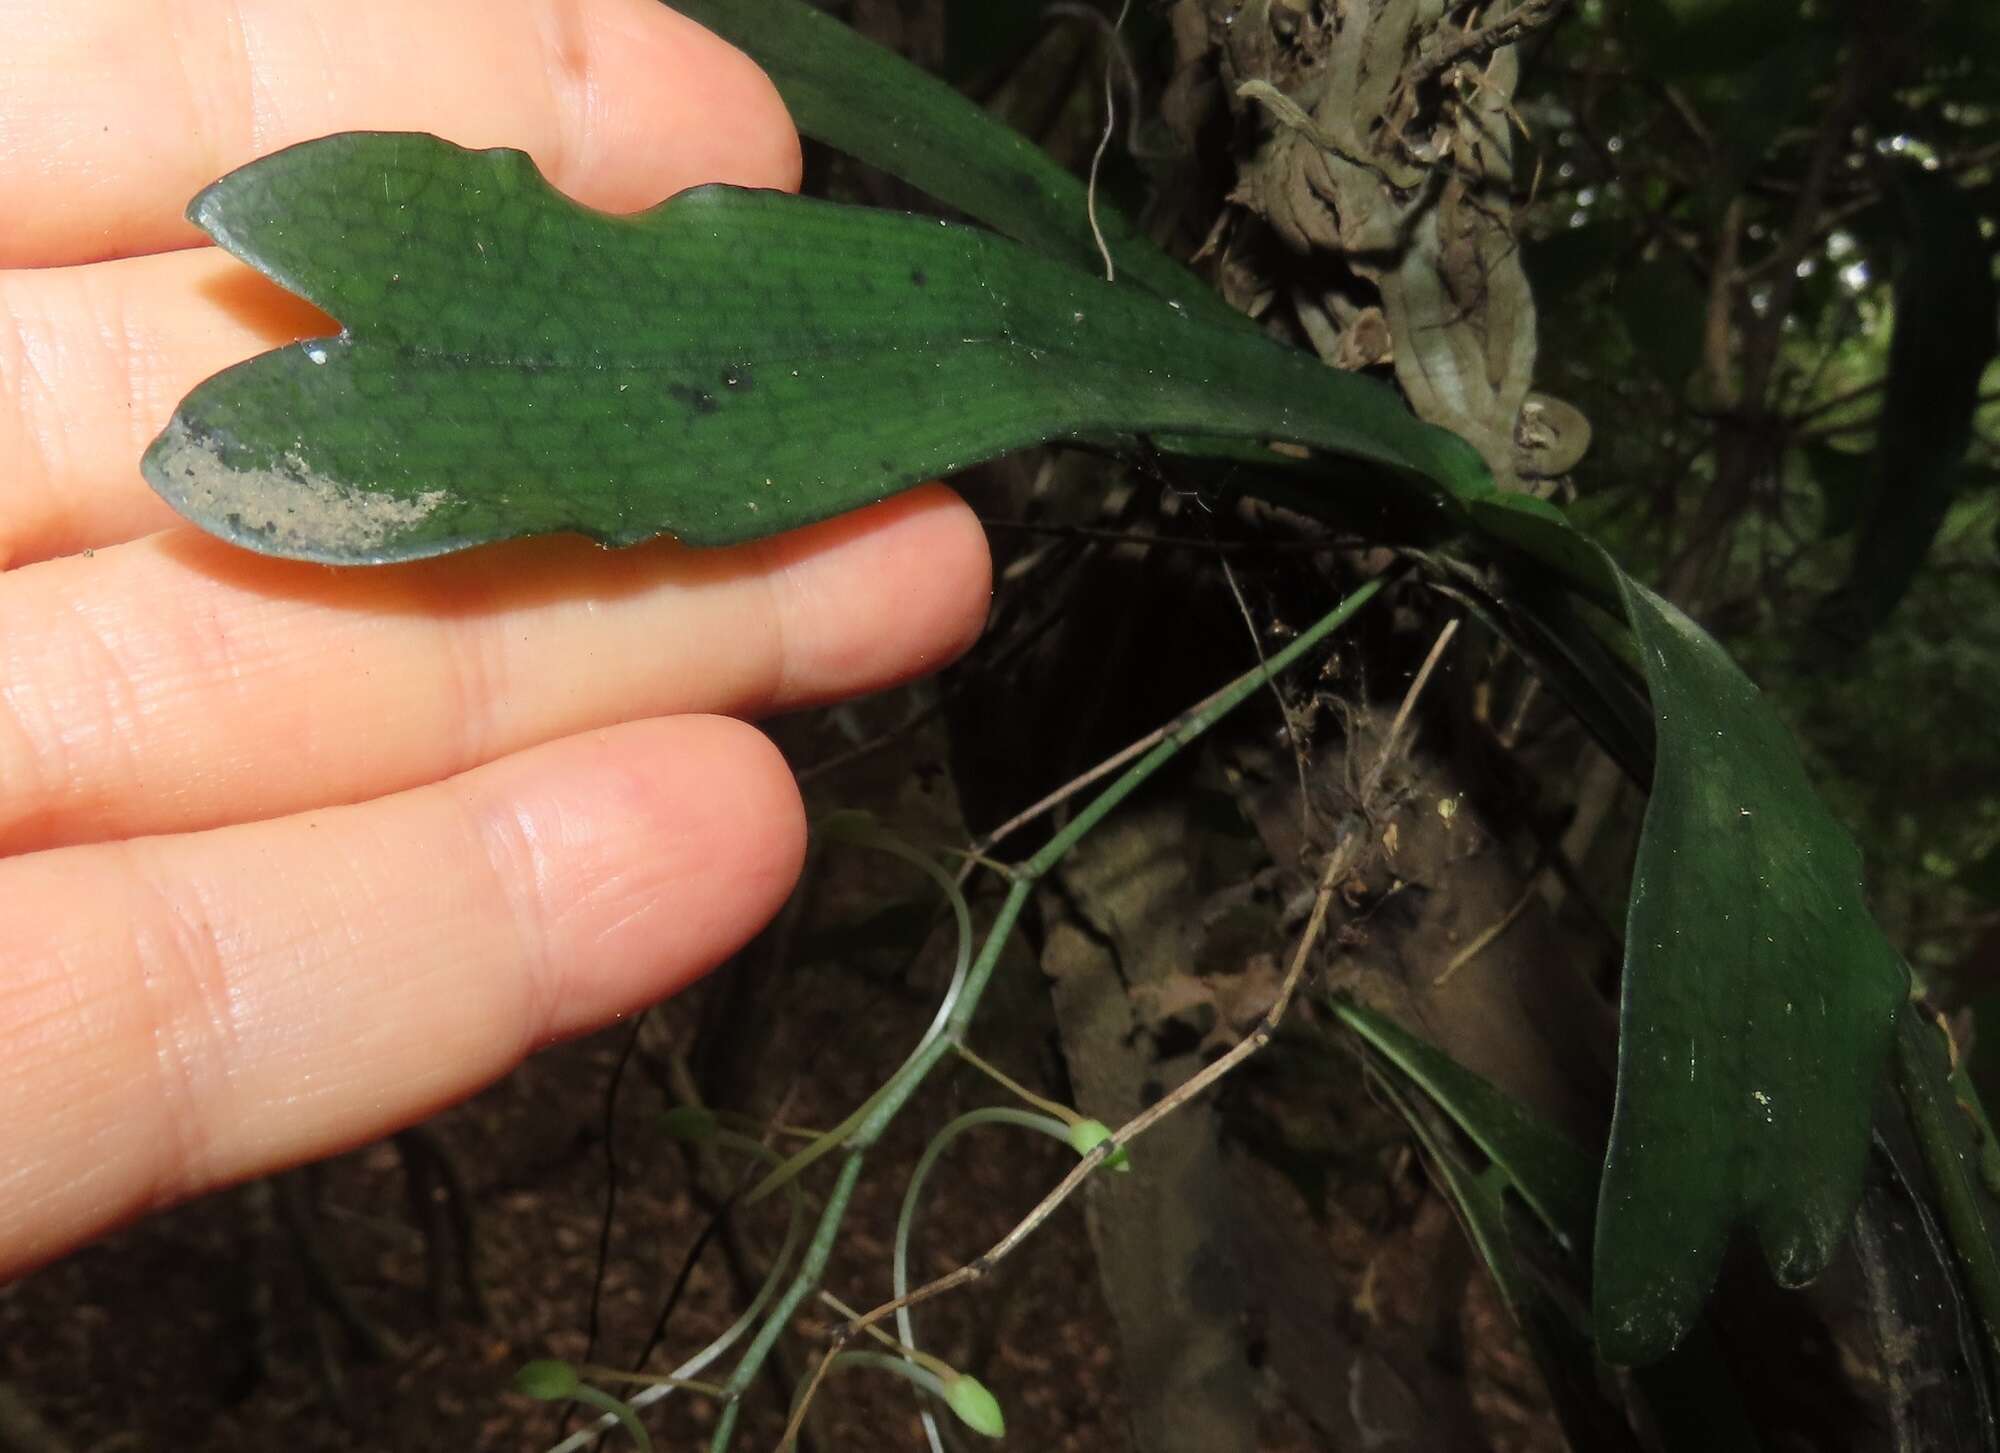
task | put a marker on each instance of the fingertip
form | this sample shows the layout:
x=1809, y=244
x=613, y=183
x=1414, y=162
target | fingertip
x=765, y=150
x=621, y=103
x=661, y=848
x=879, y=596
x=965, y=560
x=720, y=119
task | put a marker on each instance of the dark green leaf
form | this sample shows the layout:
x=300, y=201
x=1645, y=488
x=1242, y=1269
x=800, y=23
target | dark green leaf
x=1759, y=1005
x=732, y=364
x=1548, y=626
x=725, y=366
x=872, y=104
x=1552, y=1175
x=1690, y=1393
x=1562, y=1353
x=1943, y=340
x=1939, y=1374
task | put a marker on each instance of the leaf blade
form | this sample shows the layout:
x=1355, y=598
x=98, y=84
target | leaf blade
x=869, y=102
x=725, y=366
x=1758, y=1009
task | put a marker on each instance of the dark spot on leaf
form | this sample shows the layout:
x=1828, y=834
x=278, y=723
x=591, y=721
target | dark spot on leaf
x=919, y=277
x=737, y=376
x=1026, y=185
x=888, y=465
x=701, y=401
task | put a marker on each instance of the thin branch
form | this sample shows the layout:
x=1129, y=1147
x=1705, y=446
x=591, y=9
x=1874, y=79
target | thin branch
x=1846, y=396
x=1389, y=753
x=1490, y=935
x=1438, y=54
x=1181, y=723
x=1337, y=867
x=1284, y=712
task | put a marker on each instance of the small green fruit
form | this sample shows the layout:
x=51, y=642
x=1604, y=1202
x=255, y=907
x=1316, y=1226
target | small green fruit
x=977, y=1408
x=547, y=1379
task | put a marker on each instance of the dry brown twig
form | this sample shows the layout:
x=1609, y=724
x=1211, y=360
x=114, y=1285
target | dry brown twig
x=1440, y=52
x=1292, y=737
x=1390, y=743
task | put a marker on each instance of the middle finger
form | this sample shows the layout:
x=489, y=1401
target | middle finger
x=175, y=683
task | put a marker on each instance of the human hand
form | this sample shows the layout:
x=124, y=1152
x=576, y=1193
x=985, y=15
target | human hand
x=291, y=856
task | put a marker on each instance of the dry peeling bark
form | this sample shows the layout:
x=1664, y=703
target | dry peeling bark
x=1383, y=137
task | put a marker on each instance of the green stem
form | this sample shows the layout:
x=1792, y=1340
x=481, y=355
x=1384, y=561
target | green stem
x=857, y=828
x=901, y=1367
x=899, y=1270
x=1014, y=1087
x=863, y=1128
x=606, y=1403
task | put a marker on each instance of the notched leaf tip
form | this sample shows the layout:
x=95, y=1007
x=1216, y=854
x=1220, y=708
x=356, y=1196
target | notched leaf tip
x=292, y=511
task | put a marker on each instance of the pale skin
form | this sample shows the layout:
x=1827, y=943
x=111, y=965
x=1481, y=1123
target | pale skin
x=291, y=856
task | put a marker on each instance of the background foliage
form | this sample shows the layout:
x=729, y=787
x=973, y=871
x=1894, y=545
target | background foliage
x=1760, y=240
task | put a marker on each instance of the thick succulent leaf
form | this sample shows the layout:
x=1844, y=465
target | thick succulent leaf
x=1759, y=1005
x=869, y=102
x=1546, y=625
x=724, y=366
x=1690, y=1394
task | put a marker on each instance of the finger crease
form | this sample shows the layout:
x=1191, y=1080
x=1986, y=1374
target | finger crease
x=521, y=868
x=182, y=979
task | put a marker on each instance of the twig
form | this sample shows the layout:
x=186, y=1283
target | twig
x=1389, y=743
x=1436, y=55
x=1490, y=935
x=1337, y=867
x=1110, y=764
x=1284, y=712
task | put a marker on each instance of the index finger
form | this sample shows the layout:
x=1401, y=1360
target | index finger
x=114, y=114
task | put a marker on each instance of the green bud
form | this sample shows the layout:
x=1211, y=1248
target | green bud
x=1086, y=1135
x=977, y=1408
x=547, y=1379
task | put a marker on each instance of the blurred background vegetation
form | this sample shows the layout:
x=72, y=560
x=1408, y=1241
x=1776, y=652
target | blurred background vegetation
x=1761, y=237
